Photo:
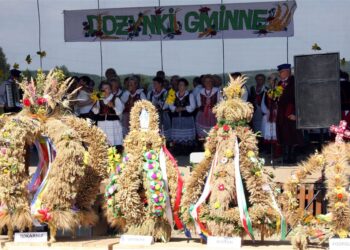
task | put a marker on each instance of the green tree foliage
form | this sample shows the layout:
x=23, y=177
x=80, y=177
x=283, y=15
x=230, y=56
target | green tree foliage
x=4, y=66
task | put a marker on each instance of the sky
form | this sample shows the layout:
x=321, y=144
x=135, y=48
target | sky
x=322, y=21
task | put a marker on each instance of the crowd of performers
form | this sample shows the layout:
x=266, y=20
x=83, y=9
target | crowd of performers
x=186, y=115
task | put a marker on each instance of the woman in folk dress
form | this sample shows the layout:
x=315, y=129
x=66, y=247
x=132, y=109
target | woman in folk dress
x=183, y=132
x=207, y=98
x=269, y=110
x=158, y=97
x=129, y=97
x=268, y=126
x=108, y=112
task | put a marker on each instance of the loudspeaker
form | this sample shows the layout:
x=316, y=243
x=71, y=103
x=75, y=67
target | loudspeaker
x=317, y=90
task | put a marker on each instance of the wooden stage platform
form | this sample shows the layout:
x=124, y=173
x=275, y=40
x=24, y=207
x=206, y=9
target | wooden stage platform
x=113, y=244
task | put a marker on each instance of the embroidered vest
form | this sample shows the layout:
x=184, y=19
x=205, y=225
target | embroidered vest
x=181, y=104
x=130, y=103
x=107, y=113
x=208, y=102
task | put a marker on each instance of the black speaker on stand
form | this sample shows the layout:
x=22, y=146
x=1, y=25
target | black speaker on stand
x=317, y=90
x=317, y=98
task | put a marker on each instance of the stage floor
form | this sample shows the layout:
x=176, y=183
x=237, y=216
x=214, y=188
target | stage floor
x=113, y=244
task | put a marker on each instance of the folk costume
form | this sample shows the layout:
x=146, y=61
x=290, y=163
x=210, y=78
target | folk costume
x=183, y=129
x=255, y=98
x=158, y=100
x=205, y=120
x=108, y=119
x=129, y=100
x=268, y=125
x=84, y=111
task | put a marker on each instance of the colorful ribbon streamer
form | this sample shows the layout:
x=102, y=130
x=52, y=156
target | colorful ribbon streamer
x=42, y=165
x=180, y=184
x=281, y=220
x=242, y=204
x=37, y=200
x=200, y=228
x=162, y=165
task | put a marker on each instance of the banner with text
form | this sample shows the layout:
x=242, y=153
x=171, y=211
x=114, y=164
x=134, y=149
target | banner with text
x=190, y=22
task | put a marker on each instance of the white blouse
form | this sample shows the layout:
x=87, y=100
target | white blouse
x=125, y=96
x=118, y=105
x=208, y=94
x=155, y=100
x=190, y=108
x=83, y=96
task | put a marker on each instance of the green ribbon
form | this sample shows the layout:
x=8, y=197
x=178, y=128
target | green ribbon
x=241, y=123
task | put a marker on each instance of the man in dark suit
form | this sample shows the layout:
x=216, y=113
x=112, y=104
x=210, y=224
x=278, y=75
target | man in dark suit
x=287, y=134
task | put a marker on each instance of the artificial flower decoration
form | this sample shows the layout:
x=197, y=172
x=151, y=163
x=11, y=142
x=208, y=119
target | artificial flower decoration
x=41, y=101
x=226, y=128
x=26, y=102
x=229, y=197
x=340, y=196
x=229, y=153
x=275, y=93
x=207, y=153
x=96, y=96
x=250, y=154
x=333, y=160
x=343, y=233
x=3, y=151
x=149, y=196
x=66, y=178
x=224, y=160
x=44, y=215
x=171, y=97
x=86, y=158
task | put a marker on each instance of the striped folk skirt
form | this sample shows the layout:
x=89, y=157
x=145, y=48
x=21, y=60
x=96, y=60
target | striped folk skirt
x=113, y=131
x=183, y=129
x=204, y=122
